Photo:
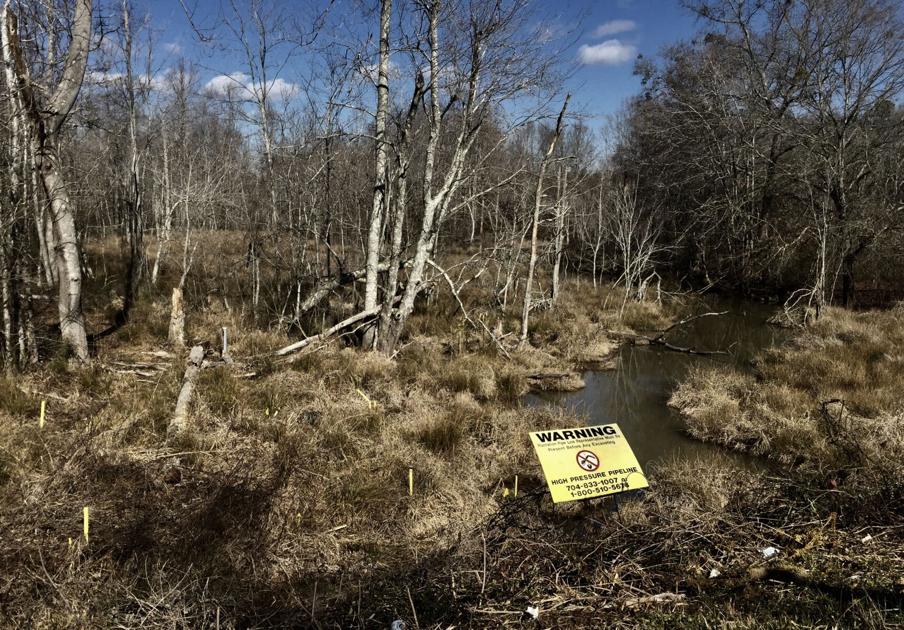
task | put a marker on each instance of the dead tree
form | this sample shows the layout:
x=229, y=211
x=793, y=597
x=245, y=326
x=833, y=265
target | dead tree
x=561, y=212
x=435, y=201
x=635, y=239
x=176, y=334
x=134, y=89
x=535, y=223
x=400, y=199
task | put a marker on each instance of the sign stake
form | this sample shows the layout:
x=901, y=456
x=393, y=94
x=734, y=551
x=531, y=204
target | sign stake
x=85, y=521
x=411, y=482
x=41, y=417
x=516, y=485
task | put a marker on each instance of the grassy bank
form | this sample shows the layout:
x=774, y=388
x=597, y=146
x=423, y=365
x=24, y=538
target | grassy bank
x=830, y=399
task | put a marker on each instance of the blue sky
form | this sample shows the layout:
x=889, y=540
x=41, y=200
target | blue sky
x=612, y=34
x=603, y=39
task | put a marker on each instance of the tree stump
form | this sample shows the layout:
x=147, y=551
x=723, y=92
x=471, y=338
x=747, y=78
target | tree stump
x=177, y=320
x=179, y=423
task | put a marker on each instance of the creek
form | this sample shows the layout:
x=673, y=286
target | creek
x=635, y=395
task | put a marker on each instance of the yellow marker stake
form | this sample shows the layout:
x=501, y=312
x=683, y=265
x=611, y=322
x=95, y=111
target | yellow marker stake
x=516, y=485
x=370, y=403
x=411, y=482
x=85, y=521
x=41, y=417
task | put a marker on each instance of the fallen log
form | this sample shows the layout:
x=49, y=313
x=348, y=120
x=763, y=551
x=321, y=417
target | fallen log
x=659, y=339
x=192, y=368
x=551, y=380
x=325, y=286
x=686, y=320
x=643, y=340
x=676, y=599
x=329, y=332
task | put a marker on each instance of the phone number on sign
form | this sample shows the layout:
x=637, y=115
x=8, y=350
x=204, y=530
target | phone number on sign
x=590, y=488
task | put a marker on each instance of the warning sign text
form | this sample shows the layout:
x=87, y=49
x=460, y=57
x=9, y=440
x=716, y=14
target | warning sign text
x=587, y=462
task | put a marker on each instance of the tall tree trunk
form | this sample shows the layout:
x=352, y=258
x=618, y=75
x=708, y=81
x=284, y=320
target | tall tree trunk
x=6, y=289
x=380, y=184
x=165, y=230
x=69, y=267
x=399, y=202
x=44, y=123
x=538, y=202
x=134, y=200
x=561, y=211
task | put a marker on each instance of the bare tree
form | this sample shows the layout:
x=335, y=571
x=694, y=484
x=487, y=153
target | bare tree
x=45, y=121
x=535, y=222
x=378, y=207
x=561, y=210
x=635, y=238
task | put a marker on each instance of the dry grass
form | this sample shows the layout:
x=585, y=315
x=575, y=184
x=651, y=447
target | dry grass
x=597, y=563
x=15, y=402
x=288, y=504
x=293, y=478
x=783, y=410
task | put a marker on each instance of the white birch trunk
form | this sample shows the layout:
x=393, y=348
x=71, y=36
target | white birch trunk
x=561, y=211
x=44, y=122
x=380, y=180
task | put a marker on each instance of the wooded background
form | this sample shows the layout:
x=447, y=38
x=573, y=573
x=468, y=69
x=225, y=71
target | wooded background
x=765, y=156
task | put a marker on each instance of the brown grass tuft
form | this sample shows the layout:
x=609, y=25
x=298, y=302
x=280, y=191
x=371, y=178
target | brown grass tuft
x=854, y=358
x=16, y=402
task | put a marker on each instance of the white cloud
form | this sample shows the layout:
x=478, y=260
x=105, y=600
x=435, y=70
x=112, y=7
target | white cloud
x=174, y=48
x=102, y=77
x=110, y=78
x=238, y=85
x=609, y=52
x=158, y=81
x=613, y=27
x=371, y=72
x=283, y=89
x=225, y=84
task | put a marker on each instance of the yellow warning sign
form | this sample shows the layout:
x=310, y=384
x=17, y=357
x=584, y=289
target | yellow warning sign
x=587, y=462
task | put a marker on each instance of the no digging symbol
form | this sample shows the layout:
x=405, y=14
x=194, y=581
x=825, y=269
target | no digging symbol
x=588, y=460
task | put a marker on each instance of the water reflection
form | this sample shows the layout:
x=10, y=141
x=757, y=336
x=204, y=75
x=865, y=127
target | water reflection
x=636, y=394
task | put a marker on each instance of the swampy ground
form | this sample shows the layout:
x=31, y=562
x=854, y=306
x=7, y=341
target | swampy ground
x=288, y=505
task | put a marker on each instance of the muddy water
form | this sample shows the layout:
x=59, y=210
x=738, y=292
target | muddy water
x=635, y=395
